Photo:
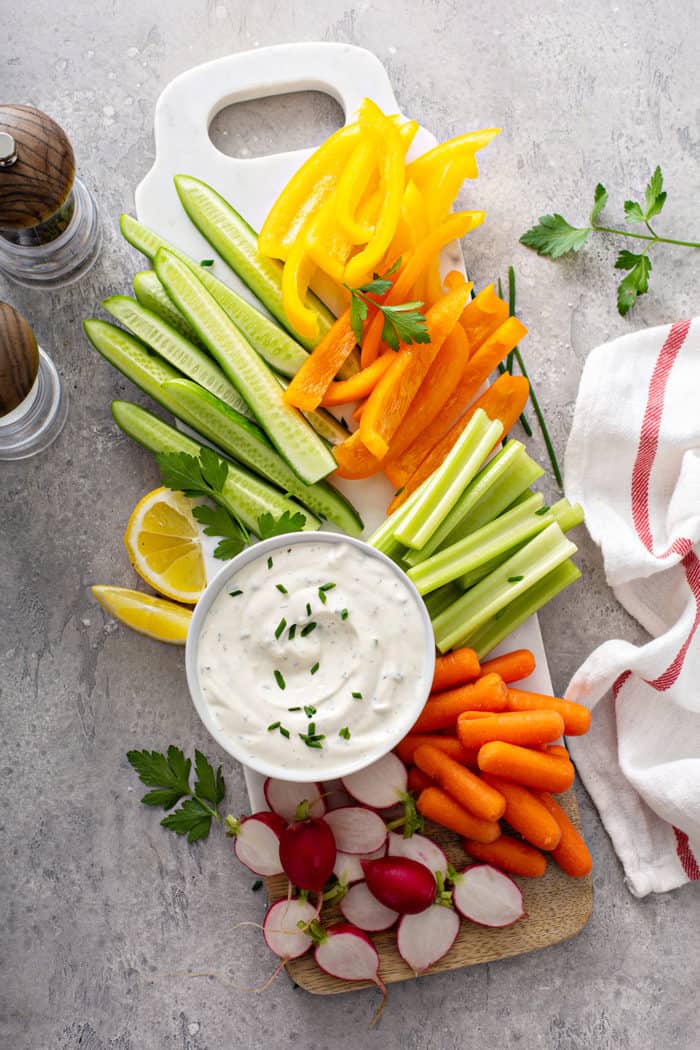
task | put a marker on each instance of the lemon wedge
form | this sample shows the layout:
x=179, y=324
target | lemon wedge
x=164, y=545
x=160, y=619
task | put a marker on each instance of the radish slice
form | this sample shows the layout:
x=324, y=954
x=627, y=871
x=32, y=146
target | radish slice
x=348, y=953
x=257, y=842
x=283, y=797
x=380, y=785
x=419, y=848
x=280, y=929
x=361, y=908
x=487, y=896
x=356, y=830
x=348, y=869
x=335, y=795
x=424, y=938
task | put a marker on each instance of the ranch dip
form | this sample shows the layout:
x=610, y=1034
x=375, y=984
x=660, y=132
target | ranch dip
x=308, y=654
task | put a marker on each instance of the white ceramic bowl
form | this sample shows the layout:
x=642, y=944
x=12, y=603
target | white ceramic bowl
x=393, y=731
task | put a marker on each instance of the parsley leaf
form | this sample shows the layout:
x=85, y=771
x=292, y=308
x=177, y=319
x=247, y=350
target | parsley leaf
x=287, y=522
x=218, y=522
x=405, y=323
x=633, y=212
x=554, y=236
x=193, y=819
x=358, y=315
x=170, y=775
x=205, y=475
x=654, y=195
x=208, y=785
x=636, y=282
x=600, y=199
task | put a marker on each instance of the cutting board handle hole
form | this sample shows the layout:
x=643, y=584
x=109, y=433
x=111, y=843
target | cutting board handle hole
x=295, y=121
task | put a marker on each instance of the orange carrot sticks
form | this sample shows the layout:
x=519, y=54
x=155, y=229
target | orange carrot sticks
x=526, y=814
x=577, y=718
x=465, y=788
x=418, y=780
x=360, y=385
x=531, y=768
x=571, y=854
x=439, y=807
x=513, y=727
x=508, y=854
x=455, y=668
x=313, y=378
x=511, y=666
x=406, y=749
x=441, y=711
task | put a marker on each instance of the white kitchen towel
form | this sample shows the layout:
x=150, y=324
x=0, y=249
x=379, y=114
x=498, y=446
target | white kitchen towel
x=633, y=462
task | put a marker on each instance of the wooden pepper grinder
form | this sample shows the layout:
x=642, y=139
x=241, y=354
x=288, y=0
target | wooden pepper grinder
x=33, y=407
x=49, y=228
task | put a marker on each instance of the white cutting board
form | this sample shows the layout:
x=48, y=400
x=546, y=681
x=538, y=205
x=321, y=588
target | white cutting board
x=183, y=114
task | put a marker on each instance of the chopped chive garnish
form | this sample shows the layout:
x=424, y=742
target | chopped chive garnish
x=322, y=596
x=257, y=885
x=541, y=511
x=326, y=587
x=308, y=628
x=311, y=729
x=273, y=725
x=357, y=696
x=345, y=733
x=308, y=609
x=284, y=732
x=206, y=262
x=315, y=668
x=280, y=627
x=344, y=614
x=515, y=579
x=309, y=710
x=269, y=563
x=281, y=588
x=234, y=594
x=279, y=678
x=312, y=739
x=294, y=709
x=292, y=632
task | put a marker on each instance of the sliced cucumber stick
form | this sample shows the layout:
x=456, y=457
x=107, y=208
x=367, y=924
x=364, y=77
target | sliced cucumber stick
x=151, y=294
x=132, y=358
x=244, y=494
x=286, y=428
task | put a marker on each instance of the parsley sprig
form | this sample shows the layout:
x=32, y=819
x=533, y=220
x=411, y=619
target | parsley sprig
x=169, y=775
x=553, y=237
x=403, y=322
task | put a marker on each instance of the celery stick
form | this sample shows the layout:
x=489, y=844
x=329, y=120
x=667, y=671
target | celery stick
x=567, y=515
x=441, y=599
x=497, y=590
x=447, y=483
x=383, y=537
x=507, y=460
x=499, y=627
x=496, y=538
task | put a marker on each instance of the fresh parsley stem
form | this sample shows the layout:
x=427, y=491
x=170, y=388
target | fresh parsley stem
x=645, y=237
x=214, y=812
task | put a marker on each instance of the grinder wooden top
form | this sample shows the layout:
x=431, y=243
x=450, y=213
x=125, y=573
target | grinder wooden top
x=19, y=358
x=37, y=184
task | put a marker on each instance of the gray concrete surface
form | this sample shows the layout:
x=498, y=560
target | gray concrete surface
x=102, y=909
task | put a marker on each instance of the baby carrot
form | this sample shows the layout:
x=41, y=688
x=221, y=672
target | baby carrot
x=571, y=854
x=455, y=668
x=577, y=718
x=449, y=744
x=439, y=807
x=526, y=814
x=418, y=780
x=514, y=727
x=489, y=693
x=557, y=750
x=511, y=666
x=465, y=787
x=531, y=768
x=508, y=854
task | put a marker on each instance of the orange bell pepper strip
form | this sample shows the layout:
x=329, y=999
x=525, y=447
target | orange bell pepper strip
x=354, y=459
x=456, y=226
x=359, y=409
x=389, y=401
x=478, y=369
x=312, y=380
x=483, y=316
x=360, y=385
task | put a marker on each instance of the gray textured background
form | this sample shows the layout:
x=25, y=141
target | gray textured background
x=100, y=906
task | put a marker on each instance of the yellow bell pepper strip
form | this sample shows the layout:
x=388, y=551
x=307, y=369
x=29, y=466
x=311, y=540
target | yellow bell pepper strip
x=407, y=129
x=394, y=393
x=326, y=243
x=312, y=380
x=427, y=168
x=354, y=460
x=355, y=180
x=297, y=272
x=360, y=385
x=458, y=225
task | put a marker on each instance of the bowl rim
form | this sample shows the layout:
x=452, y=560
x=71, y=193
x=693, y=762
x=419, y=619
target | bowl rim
x=201, y=610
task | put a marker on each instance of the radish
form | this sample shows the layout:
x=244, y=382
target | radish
x=419, y=848
x=281, y=927
x=335, y=795
x=423, y=939
x=257, y=842
x=283, y=797
x=487, y=896
x=380, y=785
x=346, y=952
x=361, y=908
x=307, y=850
x=404, y=885
x=348, y=869
x=356, y=830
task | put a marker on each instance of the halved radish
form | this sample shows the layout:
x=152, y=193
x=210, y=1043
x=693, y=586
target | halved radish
x=257, y=841
x=356, y=830
x=348, y=953
x=419, y=848
x=401, y=884
x=380, y=785
x=281, y=931
x=347, y=867
x=284, y=796
x=361, y=908
x=424, y=938
x=487, y=896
